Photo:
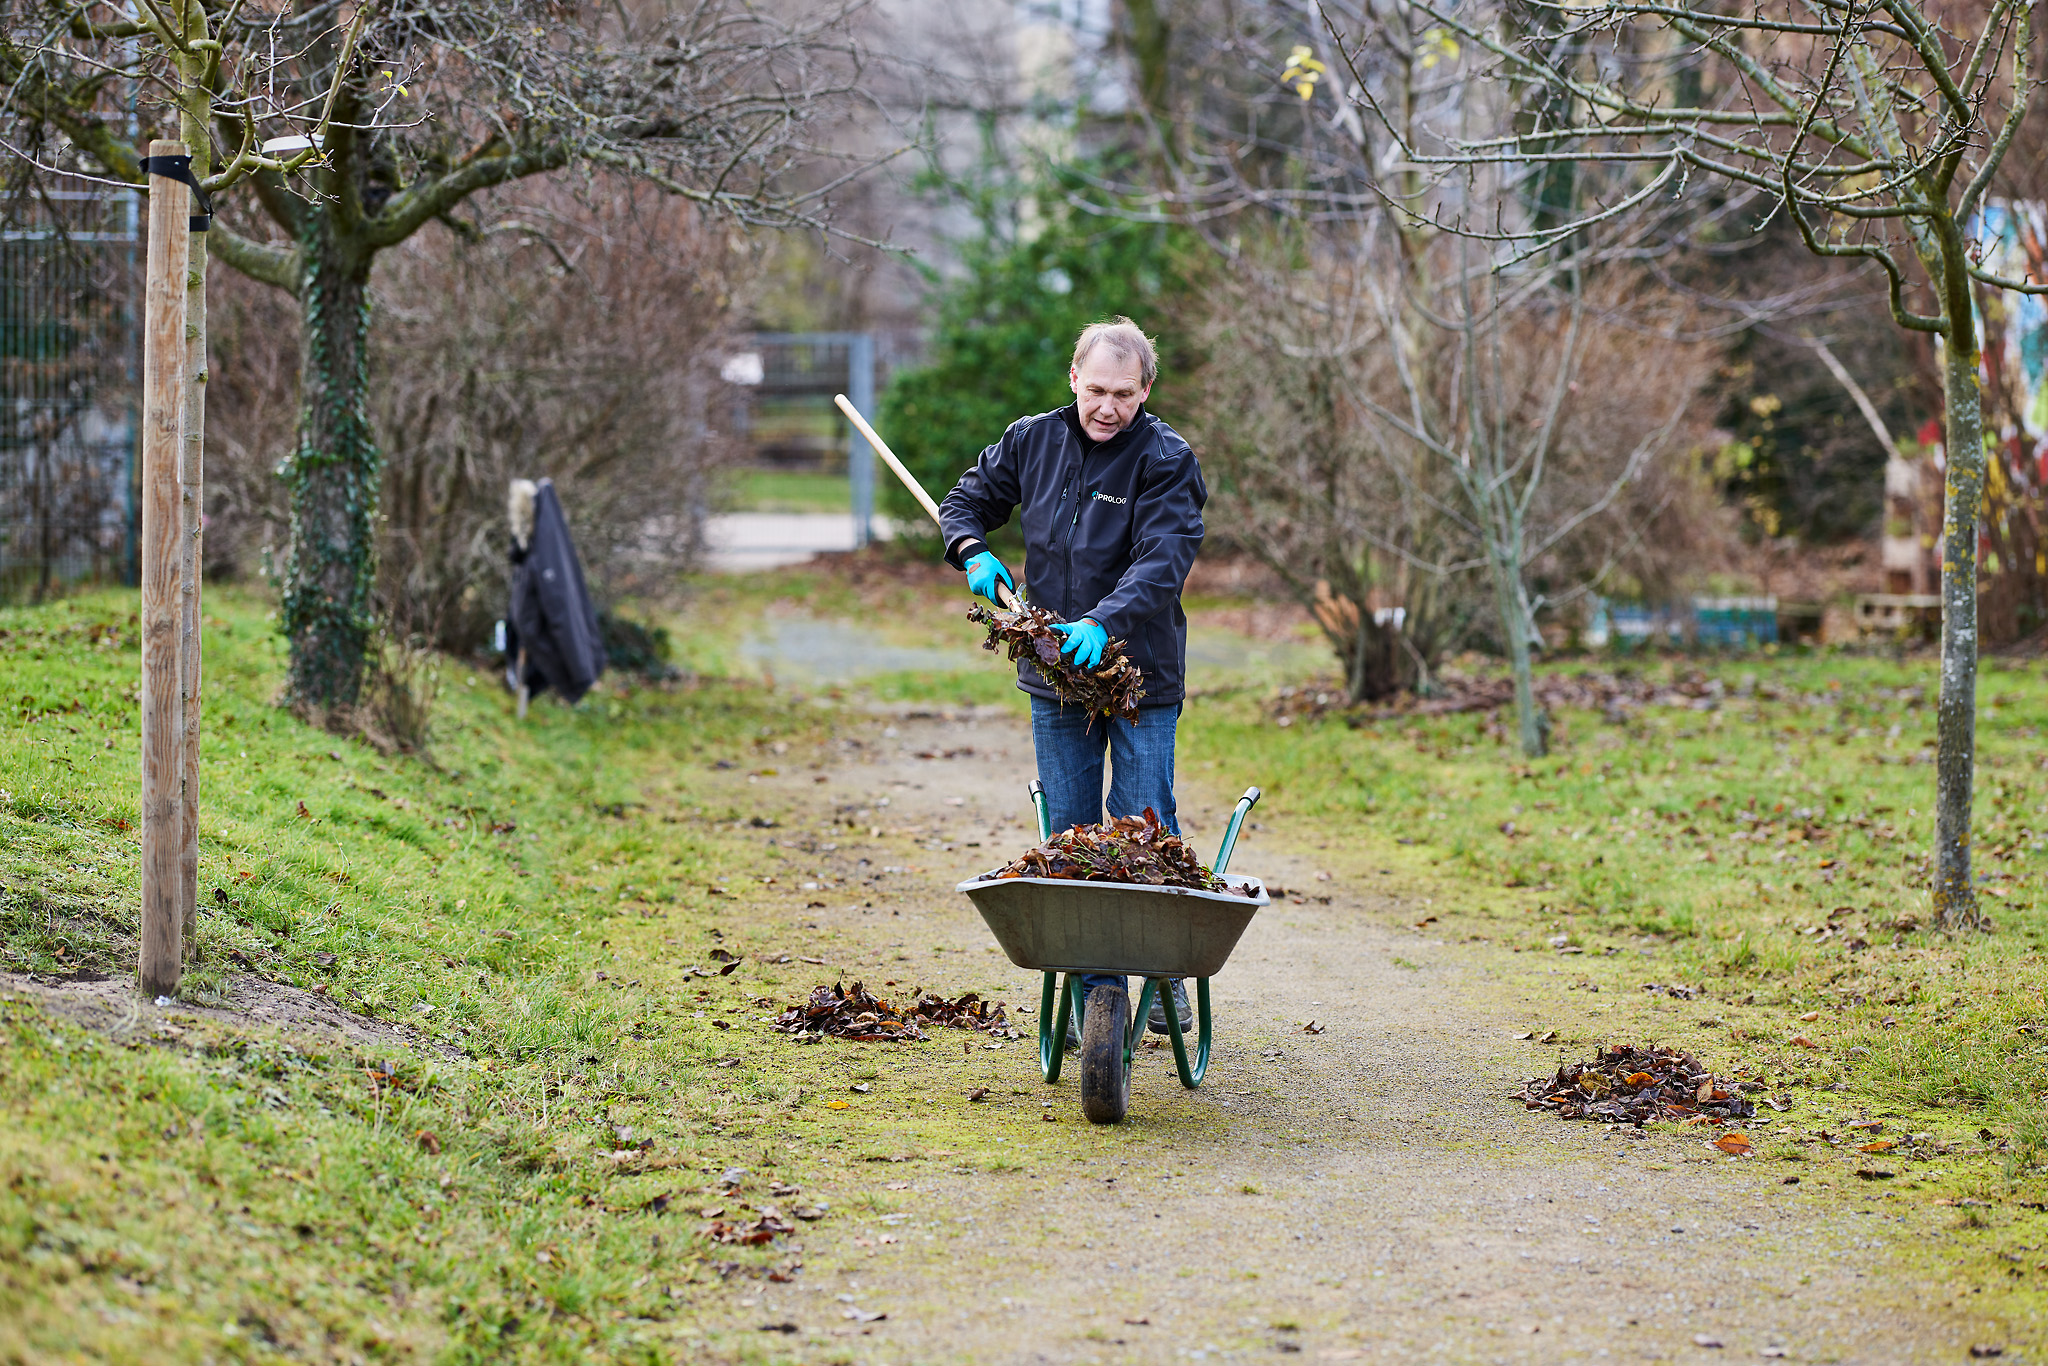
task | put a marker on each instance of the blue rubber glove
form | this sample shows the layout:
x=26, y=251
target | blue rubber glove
x=1085, y=642
x=982, y=573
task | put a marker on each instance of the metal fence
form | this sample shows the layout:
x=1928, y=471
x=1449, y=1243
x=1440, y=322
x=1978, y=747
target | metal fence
x=787, y=380
x=67, y=375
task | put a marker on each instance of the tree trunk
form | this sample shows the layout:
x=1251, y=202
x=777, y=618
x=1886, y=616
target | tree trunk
x=1955, y=726
x=1148, y=33
x=334, y=475
x=1514, y=624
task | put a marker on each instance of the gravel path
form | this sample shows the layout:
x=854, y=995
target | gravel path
x=1366, y=1193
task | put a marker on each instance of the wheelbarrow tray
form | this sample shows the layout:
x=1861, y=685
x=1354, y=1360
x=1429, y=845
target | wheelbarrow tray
x=1066, y=925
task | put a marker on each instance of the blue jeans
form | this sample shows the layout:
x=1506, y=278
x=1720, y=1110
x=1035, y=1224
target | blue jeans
x=1070, y=743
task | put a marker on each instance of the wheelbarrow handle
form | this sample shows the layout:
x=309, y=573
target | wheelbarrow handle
x=1038, y=806
x=1245, y=803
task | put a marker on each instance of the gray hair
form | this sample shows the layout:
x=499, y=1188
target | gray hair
x=1124, y=337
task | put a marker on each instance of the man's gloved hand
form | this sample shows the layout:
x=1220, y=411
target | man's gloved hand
x=1085, y=642
x=983, y=572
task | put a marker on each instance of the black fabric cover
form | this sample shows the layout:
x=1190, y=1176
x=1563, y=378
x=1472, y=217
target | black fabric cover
x=552, y=617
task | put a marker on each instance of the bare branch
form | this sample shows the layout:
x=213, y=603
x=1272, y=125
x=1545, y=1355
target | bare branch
x=273, y=265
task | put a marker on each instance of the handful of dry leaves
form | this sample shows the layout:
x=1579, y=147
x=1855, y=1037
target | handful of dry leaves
x=1112, y=688
x=1128, y=849
x=1627, y=1084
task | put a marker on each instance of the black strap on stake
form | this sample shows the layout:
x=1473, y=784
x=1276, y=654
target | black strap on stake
x=180, y=169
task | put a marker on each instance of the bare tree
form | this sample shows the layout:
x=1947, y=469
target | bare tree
x=577, y=334
x=1460, y=370
x=1504, y=406
x=1878, y=128
x=1379, y=447
x=1306, y=481
x=579, y=338
x=332, y=133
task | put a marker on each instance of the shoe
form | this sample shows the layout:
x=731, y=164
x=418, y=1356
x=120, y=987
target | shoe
x=1156, y=1022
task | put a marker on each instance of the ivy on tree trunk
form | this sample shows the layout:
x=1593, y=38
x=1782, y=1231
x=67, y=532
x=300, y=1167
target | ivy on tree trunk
x=333, y=476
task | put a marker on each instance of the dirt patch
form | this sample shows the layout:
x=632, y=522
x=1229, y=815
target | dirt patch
x=1355, y=1192
x=1261, y=621
x=1237, y=576
x=110, y=1005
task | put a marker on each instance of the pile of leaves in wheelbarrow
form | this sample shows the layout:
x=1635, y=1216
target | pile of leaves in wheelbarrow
x=854, y=1012
x=1128, y=849
x=1112, y=688
x=1627, y=1084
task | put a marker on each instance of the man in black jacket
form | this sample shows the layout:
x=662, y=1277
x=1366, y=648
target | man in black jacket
x=1110, y=499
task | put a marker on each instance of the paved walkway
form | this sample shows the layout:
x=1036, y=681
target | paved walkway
x=743, y=542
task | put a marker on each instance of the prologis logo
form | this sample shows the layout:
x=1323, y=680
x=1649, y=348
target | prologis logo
x=1108, y=497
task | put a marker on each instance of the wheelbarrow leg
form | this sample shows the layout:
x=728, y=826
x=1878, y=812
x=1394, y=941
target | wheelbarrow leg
x=1137, y=1029
x=1191, y=1074
x=1105, y=1055
x=1052, y=1023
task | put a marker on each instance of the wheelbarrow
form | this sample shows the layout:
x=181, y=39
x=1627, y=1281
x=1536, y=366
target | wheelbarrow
x=1064, y=927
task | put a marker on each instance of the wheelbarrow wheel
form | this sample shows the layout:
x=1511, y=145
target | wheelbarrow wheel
x=1105, y=1079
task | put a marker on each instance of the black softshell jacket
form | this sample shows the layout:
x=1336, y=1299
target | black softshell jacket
x=551, y=613
x=1110, y=531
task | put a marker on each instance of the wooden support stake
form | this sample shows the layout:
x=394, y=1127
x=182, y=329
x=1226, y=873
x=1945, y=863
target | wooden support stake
x=163, y=720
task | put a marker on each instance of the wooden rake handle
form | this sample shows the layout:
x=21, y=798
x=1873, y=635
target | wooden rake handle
x=1004, y=597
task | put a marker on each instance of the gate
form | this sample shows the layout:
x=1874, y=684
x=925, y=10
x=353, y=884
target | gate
x=67, y=376
x=788, y=381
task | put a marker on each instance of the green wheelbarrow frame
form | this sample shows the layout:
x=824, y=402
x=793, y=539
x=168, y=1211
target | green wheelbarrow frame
x=1222, y=917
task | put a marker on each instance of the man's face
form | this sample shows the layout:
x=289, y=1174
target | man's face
x=1109, y=390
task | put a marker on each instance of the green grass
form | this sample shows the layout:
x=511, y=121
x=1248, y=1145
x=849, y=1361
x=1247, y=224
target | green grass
x=790, y=491
x=211, y=1192
x=204, y=1192
x=1771, y=853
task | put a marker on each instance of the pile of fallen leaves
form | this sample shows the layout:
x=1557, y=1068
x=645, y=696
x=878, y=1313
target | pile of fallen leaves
x=1128, y=849
x=854, y=1012
x=1627, y=1084
x=1112, y=688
